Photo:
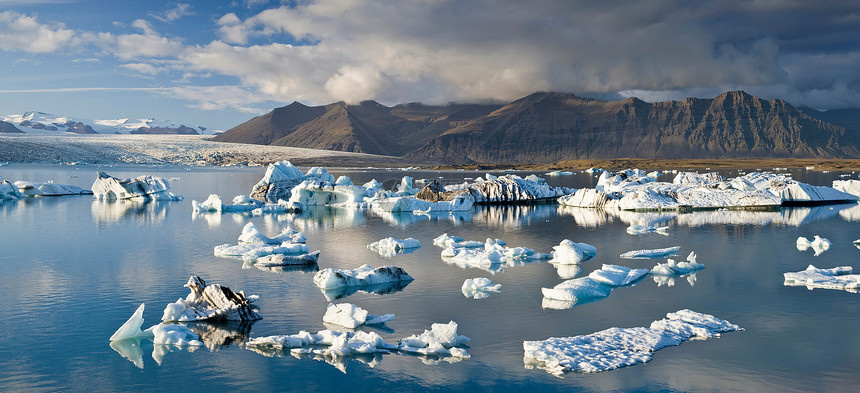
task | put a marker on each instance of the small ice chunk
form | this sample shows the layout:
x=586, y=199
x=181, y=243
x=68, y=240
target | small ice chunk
x=577, y=290
x=352, y=316
x=131, y=328
x=212, y=204
x=651, y=254
x=446, y=241
x=250, y=234
x=390, y=246
x=177, y=335
x=439, y=340
x=616, y=276
x=818, y=244
x=672, y=268
x=839, y=277
x=362, y=276
x=640, y=229
x=569, y=252
x=479, y=288
x=620, y=347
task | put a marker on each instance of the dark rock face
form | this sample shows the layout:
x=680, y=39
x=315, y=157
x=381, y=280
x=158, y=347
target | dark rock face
x=181, y=130
x=79, y=128
x=37, y=126
x=5, y=126
x=552, y=127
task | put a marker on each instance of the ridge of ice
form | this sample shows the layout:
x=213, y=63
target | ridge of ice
x=620, y=347
x=652, y=253
x=839, y=277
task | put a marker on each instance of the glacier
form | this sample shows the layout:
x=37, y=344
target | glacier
x=620, y=347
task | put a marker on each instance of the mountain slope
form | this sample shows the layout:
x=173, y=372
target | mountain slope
x=5, y=126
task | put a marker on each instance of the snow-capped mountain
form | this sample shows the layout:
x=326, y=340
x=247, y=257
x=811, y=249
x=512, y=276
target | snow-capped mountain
x=40, y=122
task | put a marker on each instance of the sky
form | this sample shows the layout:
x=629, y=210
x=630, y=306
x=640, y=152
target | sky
x=220, y=63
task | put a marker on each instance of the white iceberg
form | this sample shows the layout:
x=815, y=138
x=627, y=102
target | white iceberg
x=839, y=277
x=352, y=316
x=210, y=302
x=276, y=184
x=110, y=188
x=492, y=257
x=49, y=189
x=461, y=203
x=250, y=234
x=597, y=285
x=279, y=260
x=324, y=343
x=620, y=347
x=131, y=327
x=640, y=229
x=491, y=190
x=441, y=339
x=652, y=253
x=848, y=186
x=479, y=288
x=569, y=252
x=365, y=275
x=672, y=268
x=818, y=244
x=617, y=276
x=212, y=204
x=126, y=340
x=9, y=192
x=390, y=246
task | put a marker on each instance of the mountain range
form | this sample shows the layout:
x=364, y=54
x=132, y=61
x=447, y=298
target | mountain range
x=35, y=121
x=549, y=127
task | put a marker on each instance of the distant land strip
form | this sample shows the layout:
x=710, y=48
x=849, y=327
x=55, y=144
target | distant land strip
x=752, y=164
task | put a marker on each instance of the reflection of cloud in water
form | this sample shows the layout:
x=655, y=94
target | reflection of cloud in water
x=146, y=212
x=378, y=289
x=404, y=219
x=129, y=349
x=851, y=213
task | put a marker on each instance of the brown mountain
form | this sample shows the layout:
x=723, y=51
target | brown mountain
x=181, y=130
x=551, y=127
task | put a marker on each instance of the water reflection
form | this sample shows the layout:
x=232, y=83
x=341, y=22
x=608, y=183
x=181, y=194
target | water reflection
x=130, y=349
x=669, y=281
x=149, y=212
x=851, y=213
x=377, y=289
x=513, y=216
x=306, y=268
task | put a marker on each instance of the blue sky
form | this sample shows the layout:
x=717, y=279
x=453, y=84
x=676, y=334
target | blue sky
x=218, y=64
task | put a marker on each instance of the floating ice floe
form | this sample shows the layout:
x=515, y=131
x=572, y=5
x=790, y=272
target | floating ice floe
x=651, y=254
x=254, y=248
x=569, y=252
x=491, y=190
x=338, y=283
x=857, y=243
x=276, y=184
x=848, y=186
x=126, y=339
x=250, y=234
x=352, y=316
x=597, y=285
x=634, y=190
x=9, y=192
x=640, y=229
x=479, y=288
x=49, y=189
x=390, y=246
x=672, y=268
x=210, y=302
x=411, y=204
x=559, y=173
x=620, y=347
x=110, y=188
x=836, y=278
x=818, y=244
x=492, y=257
x=244, y=204
x=441, y=340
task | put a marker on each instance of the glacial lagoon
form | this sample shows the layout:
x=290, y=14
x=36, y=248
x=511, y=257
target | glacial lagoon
x=75, y=269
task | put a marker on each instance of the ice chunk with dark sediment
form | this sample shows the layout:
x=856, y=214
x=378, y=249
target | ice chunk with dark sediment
x=364, y=275
x=210, y=302
x=620, y=347
x=110, y=188
x=839, y=277
x=651, y=253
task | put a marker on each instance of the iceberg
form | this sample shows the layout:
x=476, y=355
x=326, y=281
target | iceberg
x=131, y=327
x=210, y=302
x=108, y=188
x=352, y=316
x=569, y=252
x=490, y=190
x=441, y=339
x=329, y=344
x=857, y=243
x=397, y=204
x=365, y=275
x=620, y=347
x=650, y=254
x=276, y=184
x=9, y=192
x=848, y=186
x=672, y=268
x=126, y=340
x=49, y=189
x=640, y=229
x=617, y=276
x=818, y=244
x=280, y=260
x=492, y=257
x=250, y=234
x=479, y=288
x=390, y=246
x=254, y=248
x=839, y=277
x=597, y=285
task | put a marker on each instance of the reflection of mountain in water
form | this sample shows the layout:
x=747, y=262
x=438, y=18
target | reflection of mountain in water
x=378, y=289
x=141, y=212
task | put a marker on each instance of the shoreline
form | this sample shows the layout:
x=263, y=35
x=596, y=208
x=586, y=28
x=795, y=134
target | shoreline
x=198, y=150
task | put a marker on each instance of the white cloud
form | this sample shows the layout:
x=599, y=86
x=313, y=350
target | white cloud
x=176, y=12
x=25, y=33
x=134, y=46
x=218, y=97
x=142, y=68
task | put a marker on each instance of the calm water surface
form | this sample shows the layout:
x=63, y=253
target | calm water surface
x=74, y=269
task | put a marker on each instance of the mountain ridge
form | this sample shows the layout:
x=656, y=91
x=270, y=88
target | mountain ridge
x=548, y=127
